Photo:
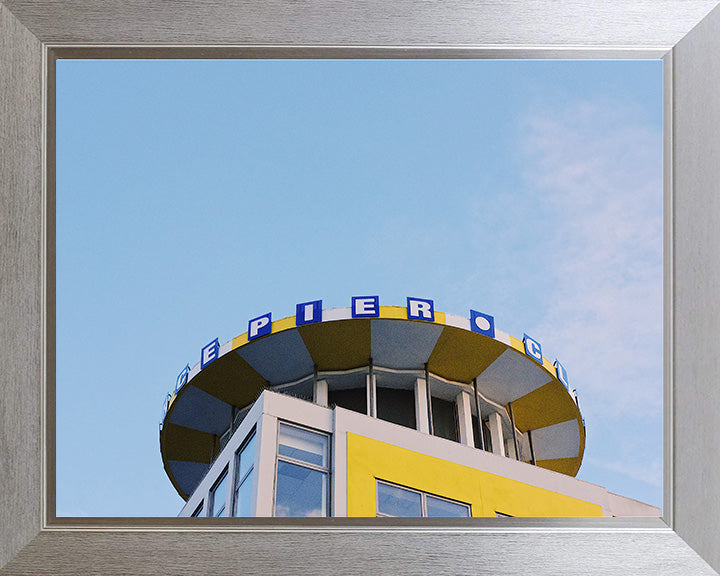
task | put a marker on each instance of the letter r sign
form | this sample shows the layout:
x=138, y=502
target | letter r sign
x=420, y=309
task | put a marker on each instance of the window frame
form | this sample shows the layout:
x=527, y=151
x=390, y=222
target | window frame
x=325, y=470
x=252, y=435
x=199, y=510
x=423, y=500
x=212, y=495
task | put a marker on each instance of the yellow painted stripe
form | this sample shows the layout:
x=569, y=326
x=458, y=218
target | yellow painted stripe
x=396, y=312
x=240, y=340
x=284, y=324
x=549, y=366
x=369, y=460
x=338, y=345
x=231, y=379
x=186, y=444
x=517, y=344
x=400, y=313
x=550, y=404
x=461, y=355
x=277, y=326
x=569, y=466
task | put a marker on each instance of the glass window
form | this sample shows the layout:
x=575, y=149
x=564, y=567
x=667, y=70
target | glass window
x=396, y=501
x=198, y=510
x=393, y=500
x=487, y=436
x=245, y=458
x=476, y=431
x=354, y=399
x=303, y=445
x=243, y=499
x=244, y=478
x=301, y=487
x=300, y=491
x=441, y=508
x=396, y=406
x=219, y=495
x=444, y=416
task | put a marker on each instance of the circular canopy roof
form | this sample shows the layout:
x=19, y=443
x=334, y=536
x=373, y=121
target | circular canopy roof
x=201, y=410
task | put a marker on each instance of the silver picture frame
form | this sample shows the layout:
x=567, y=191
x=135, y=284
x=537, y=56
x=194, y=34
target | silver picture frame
x=685, y=34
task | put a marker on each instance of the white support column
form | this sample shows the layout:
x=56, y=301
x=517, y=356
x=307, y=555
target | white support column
x=421, y=406
x=464, y=413
x=510, y=449
x=496, y=436
x=371, y=395
x=320, y=393
x=265, y=455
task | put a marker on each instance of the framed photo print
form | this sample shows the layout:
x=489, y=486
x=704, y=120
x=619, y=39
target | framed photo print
x=38, y=535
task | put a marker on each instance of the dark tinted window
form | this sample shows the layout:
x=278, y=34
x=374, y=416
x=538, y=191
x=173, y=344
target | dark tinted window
x=351, y=399
x=397, y=406
x=476, y=432
x=487, y=436
x=444, y=419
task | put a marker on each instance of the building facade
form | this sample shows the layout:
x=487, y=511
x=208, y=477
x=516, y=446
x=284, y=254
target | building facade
x=379, y=411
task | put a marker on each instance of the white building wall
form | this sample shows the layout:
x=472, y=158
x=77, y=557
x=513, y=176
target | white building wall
x=265, y=454
x=272, y=407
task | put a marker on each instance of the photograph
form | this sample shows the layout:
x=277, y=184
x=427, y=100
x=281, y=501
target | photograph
x=416, y=242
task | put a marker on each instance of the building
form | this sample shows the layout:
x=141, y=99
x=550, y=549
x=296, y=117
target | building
x=379, y=411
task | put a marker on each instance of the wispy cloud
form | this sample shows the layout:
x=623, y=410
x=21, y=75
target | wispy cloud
x=600, y=173
x=601, y=176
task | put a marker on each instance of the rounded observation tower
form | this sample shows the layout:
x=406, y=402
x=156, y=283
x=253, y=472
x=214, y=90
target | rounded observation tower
x=377, y=411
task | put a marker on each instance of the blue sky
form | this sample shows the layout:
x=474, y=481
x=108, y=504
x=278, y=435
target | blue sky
x=195, y=195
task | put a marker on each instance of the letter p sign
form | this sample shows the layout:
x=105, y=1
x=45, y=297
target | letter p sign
x=260, y=326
